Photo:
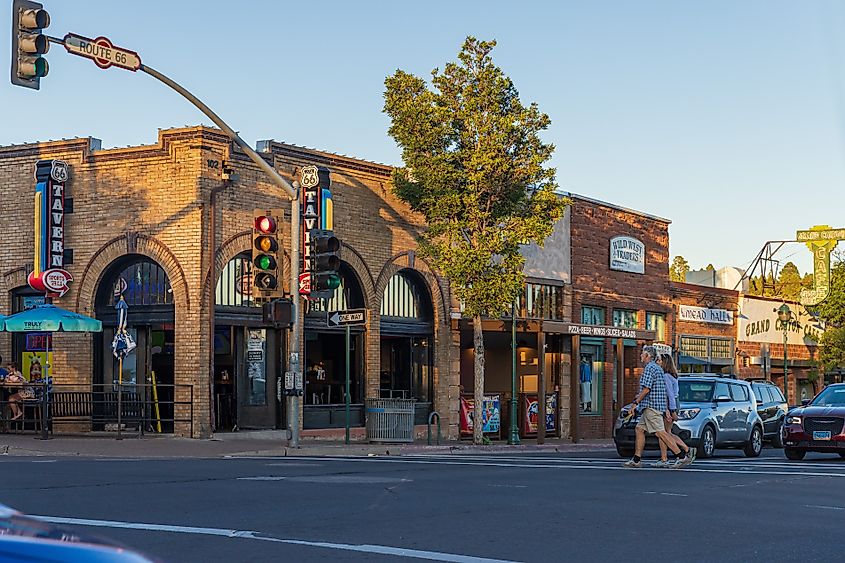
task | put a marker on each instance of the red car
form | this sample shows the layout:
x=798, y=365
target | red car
x=817, y=426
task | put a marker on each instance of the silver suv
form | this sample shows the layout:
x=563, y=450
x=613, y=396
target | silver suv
x=715, y=412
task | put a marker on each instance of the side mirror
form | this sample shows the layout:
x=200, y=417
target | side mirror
x=723, y=399
x=805, y=402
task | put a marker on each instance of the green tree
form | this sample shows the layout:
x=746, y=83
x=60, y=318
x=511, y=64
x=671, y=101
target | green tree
x=789, y=282
x=474, y=167
x=678, y=269
x=832, y=312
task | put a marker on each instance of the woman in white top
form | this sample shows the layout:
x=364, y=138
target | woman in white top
x=670, y=374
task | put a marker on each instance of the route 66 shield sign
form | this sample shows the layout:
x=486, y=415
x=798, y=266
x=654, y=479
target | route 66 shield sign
x=309, y=177
x=59, y=172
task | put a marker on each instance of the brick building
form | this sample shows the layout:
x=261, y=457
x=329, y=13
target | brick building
x=704, y=328
x=144, y=222
x=596, y=293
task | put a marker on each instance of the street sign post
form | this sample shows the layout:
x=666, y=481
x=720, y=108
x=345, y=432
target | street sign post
x=347, y=319
x=102, y=52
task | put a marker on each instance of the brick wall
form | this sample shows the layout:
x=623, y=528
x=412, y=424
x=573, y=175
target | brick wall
x=154, y=201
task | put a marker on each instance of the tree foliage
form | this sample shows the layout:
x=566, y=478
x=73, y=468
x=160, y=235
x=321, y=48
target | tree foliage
x=678, y=269
x=789, y=282
x=475, y=169
x=832, y=312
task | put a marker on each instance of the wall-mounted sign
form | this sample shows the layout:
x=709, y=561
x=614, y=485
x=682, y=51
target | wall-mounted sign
x=317, y=214
x=601, y=331
x=48, y=274
x=627, y=254
x=758, y=322
x=705, y=315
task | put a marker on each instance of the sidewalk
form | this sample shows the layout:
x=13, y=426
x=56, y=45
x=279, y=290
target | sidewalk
x=258, y=443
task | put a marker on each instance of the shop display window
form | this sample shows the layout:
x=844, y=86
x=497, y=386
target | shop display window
x=625, y=318
x=657, y=323
x=592, y=315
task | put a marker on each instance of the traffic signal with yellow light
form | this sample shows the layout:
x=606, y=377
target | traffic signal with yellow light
x=325, y=263
x=266, y=255
x=29, y=19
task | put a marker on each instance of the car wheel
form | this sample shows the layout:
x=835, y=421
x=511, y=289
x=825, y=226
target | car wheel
x=624, y=452
x=707, y=442
x=777, y=439
x=794, y=455
x=755, y=444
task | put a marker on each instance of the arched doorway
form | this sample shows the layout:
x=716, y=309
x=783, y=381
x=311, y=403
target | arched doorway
x=407, y=342
x=325, y=358
x=146, y=289
x=245, y=372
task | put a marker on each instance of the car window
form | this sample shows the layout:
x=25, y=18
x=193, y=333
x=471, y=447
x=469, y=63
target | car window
x=777, y=395
x=770, y=393
x=739, y=393
x=759, y=393
x=830, y=397
x=722, y=390
x=695, y=391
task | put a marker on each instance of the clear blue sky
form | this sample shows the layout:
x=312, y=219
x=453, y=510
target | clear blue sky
x=726, y=117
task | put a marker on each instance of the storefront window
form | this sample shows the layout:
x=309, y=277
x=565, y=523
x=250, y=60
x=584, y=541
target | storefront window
x=721, y=348
x=657, y=323
x=592, y=315
x=542, y=302
x=625, y=318
x=589, y=378
x=143, y=283
x=694, y=346
x=234, y=288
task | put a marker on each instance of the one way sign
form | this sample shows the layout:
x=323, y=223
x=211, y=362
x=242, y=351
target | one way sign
x=348, y=318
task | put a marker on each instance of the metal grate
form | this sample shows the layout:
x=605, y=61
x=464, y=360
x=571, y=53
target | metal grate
x=832, y=423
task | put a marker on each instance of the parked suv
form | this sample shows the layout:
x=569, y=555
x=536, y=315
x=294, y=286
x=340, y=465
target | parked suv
x=715, y=412
x=772, y=408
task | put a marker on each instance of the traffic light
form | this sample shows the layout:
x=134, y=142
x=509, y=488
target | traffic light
x=266, y=256
x=28, y=43
x=325, y=263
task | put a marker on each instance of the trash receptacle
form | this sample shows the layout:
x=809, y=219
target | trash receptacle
x=390, y=420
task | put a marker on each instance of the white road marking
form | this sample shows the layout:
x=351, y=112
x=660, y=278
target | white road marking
x=664, y=494
x=263, y=478
x=510, y=486
x=251, y=535
x=587, y=466
x=825, y=507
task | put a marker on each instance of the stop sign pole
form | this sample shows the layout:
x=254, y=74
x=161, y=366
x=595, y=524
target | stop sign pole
x=105, y=55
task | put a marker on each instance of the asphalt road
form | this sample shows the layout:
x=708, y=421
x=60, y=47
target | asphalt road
x=465, y=508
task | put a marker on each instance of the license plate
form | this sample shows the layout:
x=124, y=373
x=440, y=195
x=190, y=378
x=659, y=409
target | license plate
x=821, y=435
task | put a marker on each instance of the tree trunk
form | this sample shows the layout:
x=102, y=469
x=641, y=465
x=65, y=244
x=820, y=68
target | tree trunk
x=478, y=392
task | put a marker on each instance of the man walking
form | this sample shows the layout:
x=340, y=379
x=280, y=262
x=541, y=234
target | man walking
x=653, y=401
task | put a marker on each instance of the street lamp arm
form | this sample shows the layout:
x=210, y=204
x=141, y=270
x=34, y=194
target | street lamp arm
x=256, y=158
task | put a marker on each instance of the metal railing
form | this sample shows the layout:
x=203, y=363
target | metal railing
x=47, y=408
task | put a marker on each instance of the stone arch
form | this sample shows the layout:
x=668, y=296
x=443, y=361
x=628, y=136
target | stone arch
x=434, y=283
x=131, y=243
x=356, y=262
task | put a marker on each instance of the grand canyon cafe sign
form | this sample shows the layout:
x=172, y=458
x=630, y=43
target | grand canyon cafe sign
x=821, y=240
x=49, y=274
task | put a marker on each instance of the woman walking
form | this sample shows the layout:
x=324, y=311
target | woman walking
x=670, y=374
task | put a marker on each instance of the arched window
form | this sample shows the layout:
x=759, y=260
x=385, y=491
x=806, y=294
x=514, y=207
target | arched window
x=347, y=296
x=143, y=283
x=406, y=304
x=234, y=286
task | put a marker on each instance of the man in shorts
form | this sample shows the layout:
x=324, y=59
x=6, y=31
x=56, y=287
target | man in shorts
x=653, y=402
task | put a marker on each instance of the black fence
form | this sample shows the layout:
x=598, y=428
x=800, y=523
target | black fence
x=70, y=408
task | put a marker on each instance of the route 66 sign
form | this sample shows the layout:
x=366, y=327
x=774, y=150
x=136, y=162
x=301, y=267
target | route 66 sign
x=309, y=177
x=59, y=171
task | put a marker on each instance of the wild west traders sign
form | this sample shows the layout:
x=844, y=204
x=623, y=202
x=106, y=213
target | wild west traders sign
x=49, y=274
x=627, y=254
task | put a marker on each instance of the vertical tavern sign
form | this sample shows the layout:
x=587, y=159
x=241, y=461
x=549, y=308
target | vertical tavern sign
x=317, y=214
x=627, y=254
x=49, y=274
x=821, y=240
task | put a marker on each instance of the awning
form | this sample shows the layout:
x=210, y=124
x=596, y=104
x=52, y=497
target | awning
x=691, y=360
